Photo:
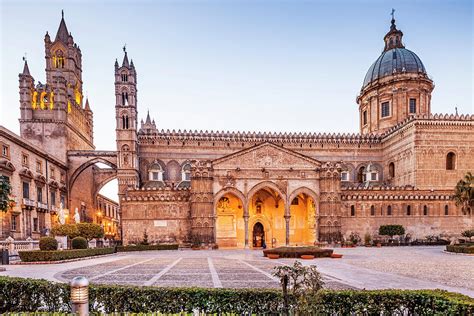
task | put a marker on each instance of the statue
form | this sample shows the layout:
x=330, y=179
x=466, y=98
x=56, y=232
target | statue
x=368, y=171
x=61, y=214
x=77, y=217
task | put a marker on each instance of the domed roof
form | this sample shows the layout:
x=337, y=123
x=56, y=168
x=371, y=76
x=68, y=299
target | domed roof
x=395, y=58
x=392, y=61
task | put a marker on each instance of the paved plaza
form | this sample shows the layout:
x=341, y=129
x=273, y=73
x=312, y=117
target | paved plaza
x=360, y=268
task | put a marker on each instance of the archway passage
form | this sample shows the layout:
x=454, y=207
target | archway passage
x=267, y=208
x=258, y=236
x=303, y=228
x=230, y=232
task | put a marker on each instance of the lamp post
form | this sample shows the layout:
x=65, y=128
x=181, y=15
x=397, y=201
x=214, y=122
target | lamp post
x=80, y=296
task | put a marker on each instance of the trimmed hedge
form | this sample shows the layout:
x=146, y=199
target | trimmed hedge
x=79, y=243
x=48, y=243
x=461, y=248
x=40, y=255
x=147, y=247
x=27, y=295
x=296, y=252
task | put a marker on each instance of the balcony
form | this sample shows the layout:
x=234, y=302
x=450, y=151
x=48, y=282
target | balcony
x=42, y=206
x=53, y=209
x=28, y=203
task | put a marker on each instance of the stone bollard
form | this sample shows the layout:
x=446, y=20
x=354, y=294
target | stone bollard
x=80, y=296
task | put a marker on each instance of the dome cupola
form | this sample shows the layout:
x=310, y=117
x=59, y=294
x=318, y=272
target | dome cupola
x=396, y=86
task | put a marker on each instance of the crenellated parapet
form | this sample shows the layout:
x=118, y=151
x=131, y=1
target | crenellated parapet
x=158, y=194
x=387, y=193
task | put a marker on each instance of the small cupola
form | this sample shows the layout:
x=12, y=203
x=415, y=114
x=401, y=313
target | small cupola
x=393, y=39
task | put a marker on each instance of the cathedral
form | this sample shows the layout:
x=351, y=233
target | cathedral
x=250, y=189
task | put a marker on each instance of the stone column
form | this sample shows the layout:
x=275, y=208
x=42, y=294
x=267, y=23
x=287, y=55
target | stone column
x=246, y=224
x=287, y=226
x=316, y=229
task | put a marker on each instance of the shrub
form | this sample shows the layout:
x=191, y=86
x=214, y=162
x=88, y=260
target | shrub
x=367, y=239
x=146, y=247
x=79, y=243
x=297, y=252
x=391, y=230
x=461, y=248
x=56, y=255
x=27, y=295
x=48, y=243
x=90, y=231
x=354, y=238
x=468, y=233
x=69, y=230
x=145, y=239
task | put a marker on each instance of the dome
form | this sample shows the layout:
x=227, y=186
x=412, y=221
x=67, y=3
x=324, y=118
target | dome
x=392, y=61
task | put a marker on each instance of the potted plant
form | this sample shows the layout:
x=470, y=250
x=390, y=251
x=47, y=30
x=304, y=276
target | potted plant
x=273, y=256
x=307, y=257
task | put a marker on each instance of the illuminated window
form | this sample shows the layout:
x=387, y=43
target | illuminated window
x=412, y=105
x=451, y=161
x=385, y=109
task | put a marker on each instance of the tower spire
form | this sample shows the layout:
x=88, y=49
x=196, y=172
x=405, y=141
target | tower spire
x=393, y=39
x=26, y=70
x=125, y=62
x=62, y=33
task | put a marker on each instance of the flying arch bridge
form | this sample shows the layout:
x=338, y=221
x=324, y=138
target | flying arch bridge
x=85, y=178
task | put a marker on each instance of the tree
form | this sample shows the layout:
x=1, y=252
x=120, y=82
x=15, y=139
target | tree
x=69, y=230
x=391, y=230
x=5, y=202
x=90, y=231
x=464, y=193
x=5, y=192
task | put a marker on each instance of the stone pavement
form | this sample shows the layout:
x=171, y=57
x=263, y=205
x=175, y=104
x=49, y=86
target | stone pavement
x=360, y=268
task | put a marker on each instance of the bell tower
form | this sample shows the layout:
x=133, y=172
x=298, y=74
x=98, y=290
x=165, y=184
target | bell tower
x=126, y=124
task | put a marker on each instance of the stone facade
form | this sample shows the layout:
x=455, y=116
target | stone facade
x=243, y=189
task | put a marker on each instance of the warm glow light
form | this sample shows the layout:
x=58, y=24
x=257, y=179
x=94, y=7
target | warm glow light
x=99, y=213
x=34, y=101
x=51, y=101
x=43, y=94
x=78, y=95
x=69, y=106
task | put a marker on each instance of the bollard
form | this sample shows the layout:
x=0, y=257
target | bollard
x=80, y=296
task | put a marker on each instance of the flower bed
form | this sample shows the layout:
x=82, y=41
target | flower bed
x=27, y=295
x=297, y=252
x=147, y=247
x=57, y=255
x=461, y=248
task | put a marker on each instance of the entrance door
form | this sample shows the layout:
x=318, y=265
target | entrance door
x=258, y=235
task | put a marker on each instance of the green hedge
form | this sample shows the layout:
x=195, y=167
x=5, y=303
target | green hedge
x=56, y=255
x=147, y=247
x=297, y=252
x=26, y=295
x=461, y=248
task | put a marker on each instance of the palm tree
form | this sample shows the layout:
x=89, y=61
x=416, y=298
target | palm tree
x=464, y=193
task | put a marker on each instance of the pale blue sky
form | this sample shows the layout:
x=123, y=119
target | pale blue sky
x=239, y=65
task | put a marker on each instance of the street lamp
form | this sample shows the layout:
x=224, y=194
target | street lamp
x=80, y=296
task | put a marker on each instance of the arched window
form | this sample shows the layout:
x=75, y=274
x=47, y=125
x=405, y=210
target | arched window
x=124, y=77
x=186, y=172
x=353, y=210
x=155, y=172
x=125, y=121
x=408, y=210
x=451, y=161
x=58, y=59
x=391, y=170
x=372, y=210
x=446, y=210
x=361, y=175
x=389, y=210
x=425, y=210
x=124, y=98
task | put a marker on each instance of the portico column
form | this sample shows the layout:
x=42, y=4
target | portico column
x=316, y=229
x=287, y=223
x=246, y=225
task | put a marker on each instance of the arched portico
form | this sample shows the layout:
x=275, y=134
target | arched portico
x=304, y=216
x=229, y=226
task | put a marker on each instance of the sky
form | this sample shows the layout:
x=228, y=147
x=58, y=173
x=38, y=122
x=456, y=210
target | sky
x=239, y=65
